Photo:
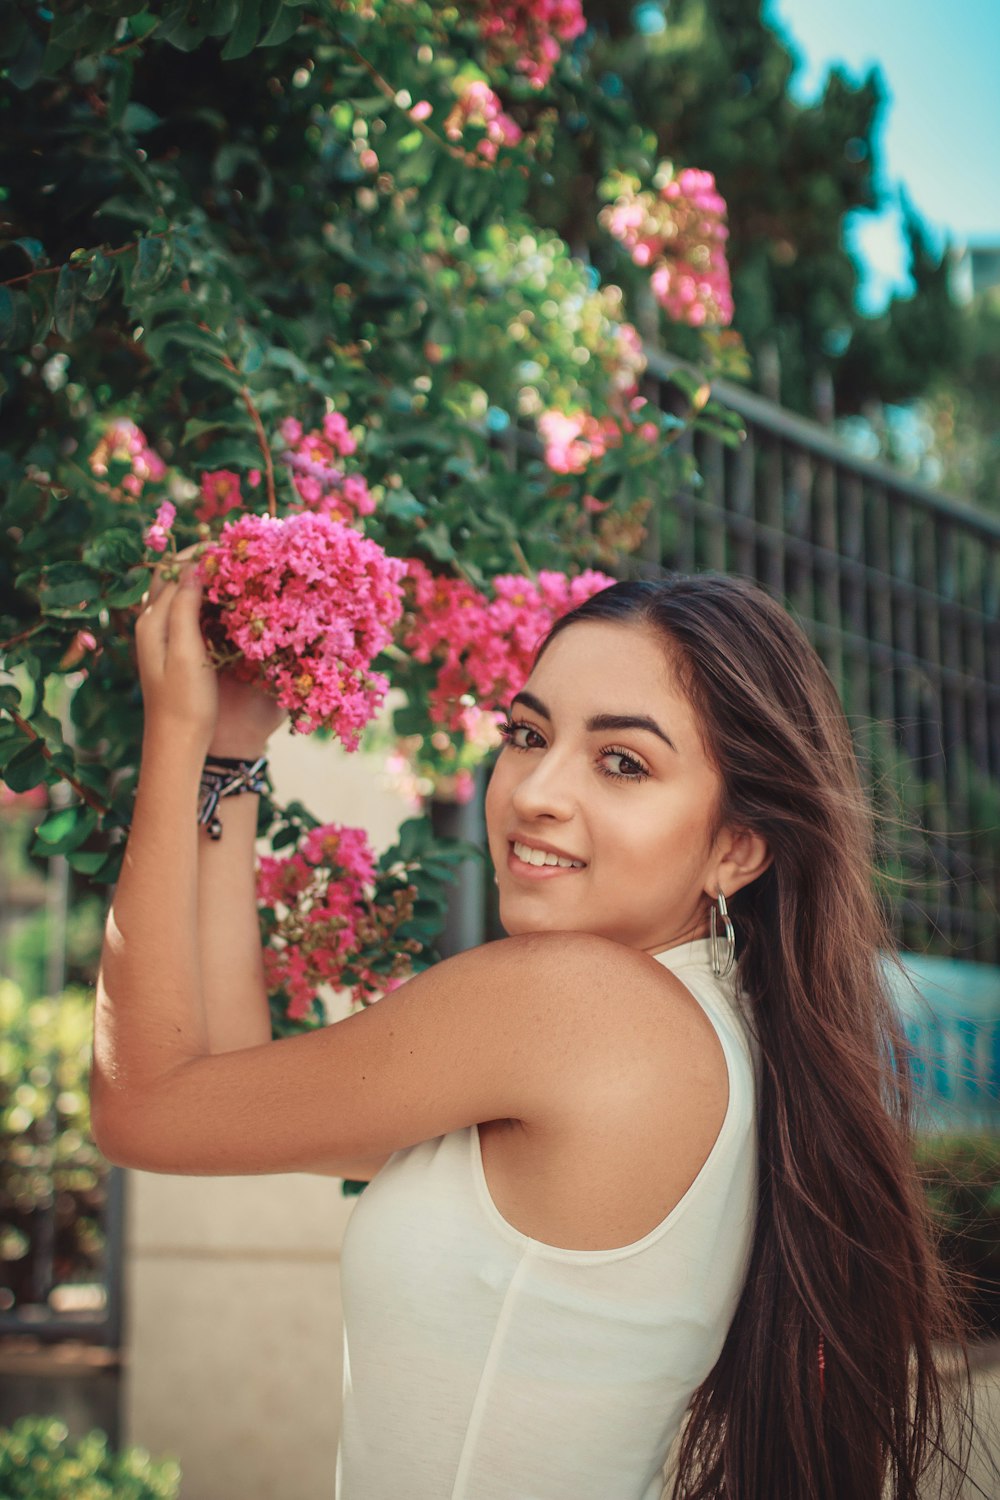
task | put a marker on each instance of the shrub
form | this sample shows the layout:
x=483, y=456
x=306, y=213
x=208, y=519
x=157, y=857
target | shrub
x=961, y=1175
x=39, y=1462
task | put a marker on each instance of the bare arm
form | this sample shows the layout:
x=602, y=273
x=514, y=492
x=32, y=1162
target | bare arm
x=237, y=1013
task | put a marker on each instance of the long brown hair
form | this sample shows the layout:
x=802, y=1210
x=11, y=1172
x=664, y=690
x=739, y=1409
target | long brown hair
x=826, y=1387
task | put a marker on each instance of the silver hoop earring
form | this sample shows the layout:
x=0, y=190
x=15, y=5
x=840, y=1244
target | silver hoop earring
x=723, y=954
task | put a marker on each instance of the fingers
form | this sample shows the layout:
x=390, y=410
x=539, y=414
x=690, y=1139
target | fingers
x=172, y=608
x=158, y=582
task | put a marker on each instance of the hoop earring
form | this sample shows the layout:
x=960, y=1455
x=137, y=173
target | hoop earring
x=723, y=955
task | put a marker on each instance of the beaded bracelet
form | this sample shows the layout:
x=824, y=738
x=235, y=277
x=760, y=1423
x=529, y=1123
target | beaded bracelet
x=224, y=776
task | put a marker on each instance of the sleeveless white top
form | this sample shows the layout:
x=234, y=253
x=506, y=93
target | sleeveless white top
x=481, y=1364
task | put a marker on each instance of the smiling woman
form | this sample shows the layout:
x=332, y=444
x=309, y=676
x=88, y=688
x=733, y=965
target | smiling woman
x=614, y=1167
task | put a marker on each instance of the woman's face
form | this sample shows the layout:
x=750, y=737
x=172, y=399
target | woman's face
x=644, y=840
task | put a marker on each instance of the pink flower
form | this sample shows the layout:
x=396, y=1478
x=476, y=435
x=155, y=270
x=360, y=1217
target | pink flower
x=325, y=919
x=483, y=647
x=681, y=233
x=421, y=110
x=220, y=493
x=157, y=535
x=573, y=440
x=320, y=479
x=307, y=603
x=529, y=33
x=477, y=104
x=125, y=443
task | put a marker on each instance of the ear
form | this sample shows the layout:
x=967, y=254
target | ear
x=740, y=855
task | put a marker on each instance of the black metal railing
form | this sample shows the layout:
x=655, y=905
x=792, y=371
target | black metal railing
x=898, y=586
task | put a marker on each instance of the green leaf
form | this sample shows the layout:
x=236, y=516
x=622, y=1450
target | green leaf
x=402, y=505
x=34, y=251
x=115, y=550
x=66, y=585
x=153, y=257
x=26, y=769
x=120, y=87
x=135, y=211
x=16, y=318
x=219, y=16
x=244, y=34
x=100, y=274
x=65, y=830
x=87, y=861
x=285, y=24
x=27, y=65
x=138, y=118
x=188, y=335
x=74, y=313
x=10, y=696
x=129, y=591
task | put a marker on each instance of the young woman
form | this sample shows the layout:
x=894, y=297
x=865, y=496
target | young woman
x=646, y=1156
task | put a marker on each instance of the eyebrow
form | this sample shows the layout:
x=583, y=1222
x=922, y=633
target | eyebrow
x=600, y=721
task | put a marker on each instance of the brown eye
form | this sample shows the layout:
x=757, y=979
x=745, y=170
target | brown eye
x=510, y=727
x=637, y=771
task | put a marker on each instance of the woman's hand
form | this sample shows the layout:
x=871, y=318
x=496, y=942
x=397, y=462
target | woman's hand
x=247, y=717
x=179, y=682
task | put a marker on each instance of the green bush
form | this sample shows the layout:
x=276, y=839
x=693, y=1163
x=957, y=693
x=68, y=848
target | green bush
x=961, y=1176
x=46, y=1149
x=38, y=1462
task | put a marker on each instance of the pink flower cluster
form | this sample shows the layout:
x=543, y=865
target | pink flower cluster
x=575, y=439
x=157, y=535
x=125, y=443
x=484, y=647
x=331, y=919
x=680, y=232
x=220, y=493
x=322, y=484
x=533, y=32
x=477, y=104
x=303, y=604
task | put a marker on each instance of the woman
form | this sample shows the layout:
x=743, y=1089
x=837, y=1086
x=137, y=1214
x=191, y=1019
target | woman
x=646, y=1155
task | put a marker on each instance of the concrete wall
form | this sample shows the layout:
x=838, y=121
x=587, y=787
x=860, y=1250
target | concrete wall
x=233, y=1333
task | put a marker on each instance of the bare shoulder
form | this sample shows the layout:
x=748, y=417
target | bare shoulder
x=611, y=1017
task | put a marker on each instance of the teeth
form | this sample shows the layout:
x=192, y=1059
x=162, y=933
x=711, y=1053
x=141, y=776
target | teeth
x=540, y=857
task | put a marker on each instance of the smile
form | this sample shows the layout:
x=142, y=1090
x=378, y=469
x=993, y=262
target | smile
x=534, y=864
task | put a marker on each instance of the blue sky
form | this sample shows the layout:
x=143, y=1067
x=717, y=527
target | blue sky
x=940, y=127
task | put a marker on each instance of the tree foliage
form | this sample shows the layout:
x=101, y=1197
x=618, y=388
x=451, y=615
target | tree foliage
x=219, y=215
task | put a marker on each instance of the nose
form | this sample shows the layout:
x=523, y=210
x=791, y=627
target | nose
x=545, y=789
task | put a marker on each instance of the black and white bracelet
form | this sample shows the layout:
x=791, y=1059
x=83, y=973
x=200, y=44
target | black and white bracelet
x=224, y=776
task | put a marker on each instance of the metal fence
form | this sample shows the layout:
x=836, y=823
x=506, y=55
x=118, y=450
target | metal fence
x=898, y=587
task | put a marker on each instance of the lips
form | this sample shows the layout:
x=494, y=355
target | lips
x=541, y=858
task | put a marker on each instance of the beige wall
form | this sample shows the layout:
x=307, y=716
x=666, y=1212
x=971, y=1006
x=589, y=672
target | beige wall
x=232, y=1285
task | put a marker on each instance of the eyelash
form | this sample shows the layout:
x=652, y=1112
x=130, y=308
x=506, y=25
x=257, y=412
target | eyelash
x=510, y=726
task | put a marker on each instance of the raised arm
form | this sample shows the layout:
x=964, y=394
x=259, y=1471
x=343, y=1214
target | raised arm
x=517, y=1029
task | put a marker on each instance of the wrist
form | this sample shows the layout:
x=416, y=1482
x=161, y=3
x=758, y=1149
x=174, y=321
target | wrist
x=242, y=748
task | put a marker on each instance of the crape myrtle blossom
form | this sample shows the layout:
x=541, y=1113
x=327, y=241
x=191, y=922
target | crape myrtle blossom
x=572, y=440
x=303, y=604
x=482, y=648
x=679, y=233
x=321, y=483
x=325, y=919
x=532, y=32
x=125, y=460
x=477, y=104
x=157, y=535
x=220, y=493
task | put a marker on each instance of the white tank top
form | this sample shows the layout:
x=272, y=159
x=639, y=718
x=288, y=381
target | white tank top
x=481, y=1364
